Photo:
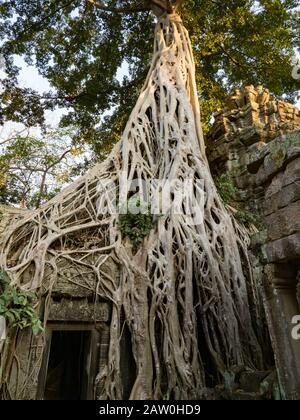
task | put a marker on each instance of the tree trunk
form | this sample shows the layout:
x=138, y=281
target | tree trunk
x=185, y=293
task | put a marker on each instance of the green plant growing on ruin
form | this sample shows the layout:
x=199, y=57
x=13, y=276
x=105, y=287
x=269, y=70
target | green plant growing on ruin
x=246, y=217
x=227, y=191
x=16, y=306
x=137, y=223
x=226, y=188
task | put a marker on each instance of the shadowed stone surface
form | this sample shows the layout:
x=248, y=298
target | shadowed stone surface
x=256, y=138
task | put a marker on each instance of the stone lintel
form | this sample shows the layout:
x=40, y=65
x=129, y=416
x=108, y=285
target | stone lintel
x=79, y=310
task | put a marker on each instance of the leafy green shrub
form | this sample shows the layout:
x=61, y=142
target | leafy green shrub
x=137, y=223
x=16, y=306
x=226, y=188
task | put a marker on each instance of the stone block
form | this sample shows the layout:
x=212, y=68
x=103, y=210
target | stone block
x=293, y=152
x=283, y=222
x=79, y=310
x=292, y=172
x=285, y=249
x=275, y=186
x=282, y=198
x=255, y=156
x=66, y=288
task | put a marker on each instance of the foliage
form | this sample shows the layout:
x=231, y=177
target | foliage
x=137, y=222
x=227, y=191
x=16, y=306
x=79, y=49
x=33, y=169
x=246, y=217
x=226, y=188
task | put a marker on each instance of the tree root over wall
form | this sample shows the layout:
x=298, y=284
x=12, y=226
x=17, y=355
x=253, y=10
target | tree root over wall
x=188, y=294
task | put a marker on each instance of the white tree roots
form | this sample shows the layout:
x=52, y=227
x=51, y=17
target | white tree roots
x=188, y=295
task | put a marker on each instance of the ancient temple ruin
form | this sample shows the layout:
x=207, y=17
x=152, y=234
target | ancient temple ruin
x=256, y=138
x=258, y=142
x=183, y=316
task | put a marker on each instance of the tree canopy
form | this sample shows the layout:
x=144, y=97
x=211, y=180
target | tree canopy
x=80, y=45
x=34, y=169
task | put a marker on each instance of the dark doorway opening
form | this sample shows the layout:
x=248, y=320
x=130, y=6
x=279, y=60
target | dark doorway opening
x=127, y=363
x=68, y=374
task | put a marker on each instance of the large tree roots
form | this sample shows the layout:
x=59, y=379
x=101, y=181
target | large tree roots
x=187, y=295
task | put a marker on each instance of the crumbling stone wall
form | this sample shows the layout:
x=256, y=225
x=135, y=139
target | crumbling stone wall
x=256, y=138
x=250, y=119
x=9, y=216
x=72, y=305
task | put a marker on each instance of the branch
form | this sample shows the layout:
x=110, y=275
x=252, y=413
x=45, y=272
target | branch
x=236, y=62
x=143, y=7
x=14, y=135
x=59, y=159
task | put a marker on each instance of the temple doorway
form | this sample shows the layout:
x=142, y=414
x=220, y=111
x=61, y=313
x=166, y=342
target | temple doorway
x=71, y=360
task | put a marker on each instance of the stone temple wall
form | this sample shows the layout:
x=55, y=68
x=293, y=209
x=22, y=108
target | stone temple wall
x=251, y=118
x=256, y=139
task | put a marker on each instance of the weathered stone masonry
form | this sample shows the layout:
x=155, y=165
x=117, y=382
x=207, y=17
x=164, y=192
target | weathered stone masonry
x=256, y=138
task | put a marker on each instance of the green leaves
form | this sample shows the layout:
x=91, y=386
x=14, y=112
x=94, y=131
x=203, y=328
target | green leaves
x=16, y=306
x=226, y=188
x=79, y=49
x=137, y=223
x=247, y=218
x=228, y=191
x=33, y=170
